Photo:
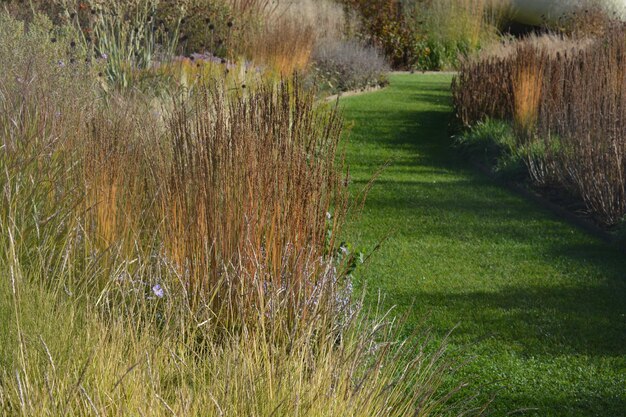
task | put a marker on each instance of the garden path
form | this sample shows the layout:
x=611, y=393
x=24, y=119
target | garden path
x=540, y=304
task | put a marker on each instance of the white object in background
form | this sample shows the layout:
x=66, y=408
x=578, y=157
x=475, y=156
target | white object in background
x=535, y=12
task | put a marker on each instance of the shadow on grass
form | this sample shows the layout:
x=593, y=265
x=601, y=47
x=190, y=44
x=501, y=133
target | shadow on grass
x=583, y=317
x=535, y=321
x=402, y=130
x=535, y=285
x=587, y=404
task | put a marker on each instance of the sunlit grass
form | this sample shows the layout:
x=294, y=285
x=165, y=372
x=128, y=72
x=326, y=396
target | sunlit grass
x=539, y=304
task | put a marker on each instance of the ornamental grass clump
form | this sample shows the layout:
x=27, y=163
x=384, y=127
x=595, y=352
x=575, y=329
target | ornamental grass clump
x=231, y=183
x=127, y=36
x=249, y=178
x=527, y=85
x=452, y=29
x=283, y=45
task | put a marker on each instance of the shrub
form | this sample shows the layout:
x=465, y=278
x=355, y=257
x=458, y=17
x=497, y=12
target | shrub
x=385, y=25
x=204, y=25
x=347, y=65
x=428, y=35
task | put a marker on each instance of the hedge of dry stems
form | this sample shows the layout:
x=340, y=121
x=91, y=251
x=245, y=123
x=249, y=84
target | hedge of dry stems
x=567, y=102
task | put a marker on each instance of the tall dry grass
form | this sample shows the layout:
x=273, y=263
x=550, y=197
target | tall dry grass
x=473, y=22
x=228, y=180
x=224, y=182
x=286, y=32
x=527, y=82
x=84, y=364
x=569, y=98
x=248, y=187
x=180, y=259
x=135, y=35
x=328, y=18
x=283, y=44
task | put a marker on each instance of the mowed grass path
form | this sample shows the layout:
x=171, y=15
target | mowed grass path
x=540, y=304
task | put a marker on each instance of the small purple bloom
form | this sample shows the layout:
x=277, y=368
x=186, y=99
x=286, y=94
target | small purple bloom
x=104, y=56
x=158, y=291
x=61, y=64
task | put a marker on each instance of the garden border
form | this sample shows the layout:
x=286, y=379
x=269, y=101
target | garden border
x=352, y=93
x=358, y=92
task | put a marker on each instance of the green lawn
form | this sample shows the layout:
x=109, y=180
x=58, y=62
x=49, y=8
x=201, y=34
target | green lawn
x=540, y=304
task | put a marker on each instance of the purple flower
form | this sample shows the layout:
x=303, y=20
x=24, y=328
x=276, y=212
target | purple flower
x=158, y=291
x=104, y=56
x=61, y=64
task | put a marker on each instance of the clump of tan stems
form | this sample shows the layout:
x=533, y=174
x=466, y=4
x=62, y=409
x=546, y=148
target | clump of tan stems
x=286, y=31
x=250, y=181
x=527, y=88
x=284, y=45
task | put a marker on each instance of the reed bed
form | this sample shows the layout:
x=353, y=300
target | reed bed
x=568, y=103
